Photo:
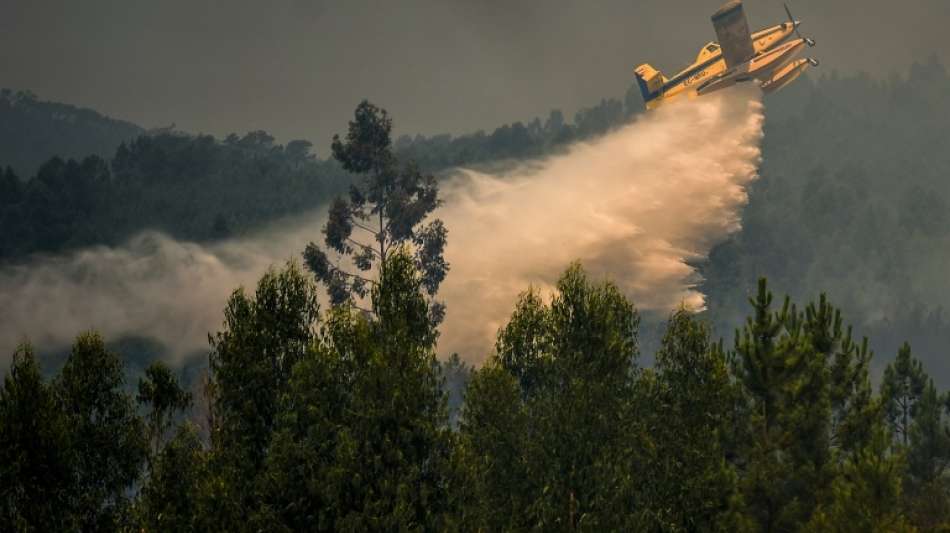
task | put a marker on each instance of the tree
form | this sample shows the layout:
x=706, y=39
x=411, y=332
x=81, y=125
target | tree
x=689, y=485
x=929, y=449
x=171, y=494
x=402, y=428
x=107, y=444
x=456, y=374
x=523, y=347
x=36, y=477
x=363, y=438
x=388, y=207
x=160, y=391
x=173, y=497
x=901, y=388
x=866, y=494
x=928, y=455
x=251, y=362
x=808, y=402
x=11, y=189
x=574, y=365
x=491, y=486
x=298, y=152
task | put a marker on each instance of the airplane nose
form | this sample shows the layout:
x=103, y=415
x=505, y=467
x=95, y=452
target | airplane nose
x=809, y=41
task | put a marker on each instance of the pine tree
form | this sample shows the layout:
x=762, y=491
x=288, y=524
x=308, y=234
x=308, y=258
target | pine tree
x=866, y=493
x=929, y=447
x=809, y=404
x=901, y=388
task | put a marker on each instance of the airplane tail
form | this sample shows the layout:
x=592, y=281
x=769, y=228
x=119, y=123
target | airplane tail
x=651, y=82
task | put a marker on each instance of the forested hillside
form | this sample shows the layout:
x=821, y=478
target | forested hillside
x=32, y=131
x=192, y=187
x=854, y=199
x=200, y=188
x=340, y=417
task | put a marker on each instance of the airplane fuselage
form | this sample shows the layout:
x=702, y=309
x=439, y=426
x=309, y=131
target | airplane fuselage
x=708, y=73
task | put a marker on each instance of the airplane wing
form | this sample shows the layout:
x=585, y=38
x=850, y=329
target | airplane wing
x=732, y=29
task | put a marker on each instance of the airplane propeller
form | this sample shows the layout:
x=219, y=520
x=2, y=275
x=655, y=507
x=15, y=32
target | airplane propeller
x=809, y=41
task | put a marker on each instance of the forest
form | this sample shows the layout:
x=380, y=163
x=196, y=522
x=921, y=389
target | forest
x=336, y=419
x=821, y=411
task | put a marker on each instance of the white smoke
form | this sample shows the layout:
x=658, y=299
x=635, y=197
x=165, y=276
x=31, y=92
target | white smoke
x=153, y=286
x=634, y=205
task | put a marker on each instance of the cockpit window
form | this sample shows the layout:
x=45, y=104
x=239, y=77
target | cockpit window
x=712, y=48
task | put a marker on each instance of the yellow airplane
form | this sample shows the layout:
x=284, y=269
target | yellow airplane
x=767, y=57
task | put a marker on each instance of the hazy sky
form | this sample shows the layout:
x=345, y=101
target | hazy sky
x=297, y=68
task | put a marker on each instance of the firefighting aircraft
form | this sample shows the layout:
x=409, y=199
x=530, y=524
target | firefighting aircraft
x=767, y=57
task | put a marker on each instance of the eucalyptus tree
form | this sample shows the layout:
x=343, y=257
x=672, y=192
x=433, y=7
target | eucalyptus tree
x=36, y=477
x=387, y=209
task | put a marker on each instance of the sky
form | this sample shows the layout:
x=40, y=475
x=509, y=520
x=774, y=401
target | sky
x=297, y=68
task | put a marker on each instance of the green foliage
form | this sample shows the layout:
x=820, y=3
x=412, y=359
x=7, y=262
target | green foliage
x=523, y=347
x=364, y=441
x=916, y=416
x=492, y=487
x=929, y=448
x=901, y=388
x=388, y=207
x=866, y=495
x=250, y=365
x=36, y=478
x=339, y=422
x=160, y=391
x=172, y=498
x=687, y=483
x=107, y=444
x=72, y=451
x=573, y=363
x=808, y=403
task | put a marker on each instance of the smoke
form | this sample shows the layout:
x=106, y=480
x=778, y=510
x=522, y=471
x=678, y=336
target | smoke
x=153, y=286
x=635, y=206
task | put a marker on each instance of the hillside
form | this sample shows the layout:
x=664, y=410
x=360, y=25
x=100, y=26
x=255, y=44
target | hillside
x=853, y=196
x=32, y=131
x=853, y=200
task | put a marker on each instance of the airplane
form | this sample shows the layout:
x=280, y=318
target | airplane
x=767, y=57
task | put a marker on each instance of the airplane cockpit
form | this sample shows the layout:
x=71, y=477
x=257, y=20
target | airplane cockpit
x=707, y=52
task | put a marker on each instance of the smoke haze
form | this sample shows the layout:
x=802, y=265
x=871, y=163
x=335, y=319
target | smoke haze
x=154, y=286
x=635, y=206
